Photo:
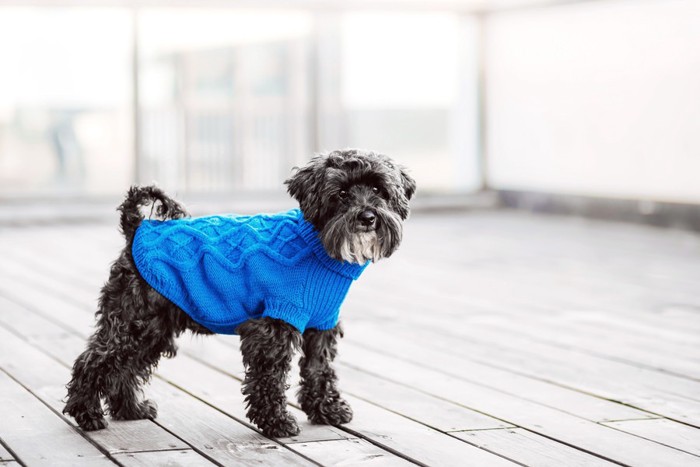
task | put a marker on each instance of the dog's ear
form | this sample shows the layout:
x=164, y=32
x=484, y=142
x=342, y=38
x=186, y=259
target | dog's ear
x=409, y=184
x=306, y=186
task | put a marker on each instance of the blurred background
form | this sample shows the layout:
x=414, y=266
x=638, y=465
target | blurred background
x=510, y=97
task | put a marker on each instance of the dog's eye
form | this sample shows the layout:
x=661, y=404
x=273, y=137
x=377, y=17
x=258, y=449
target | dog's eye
x=343, y=194
x=375, y=189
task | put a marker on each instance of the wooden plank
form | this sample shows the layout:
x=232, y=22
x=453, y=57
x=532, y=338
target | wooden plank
x=656, y=392
x=29, y=325
x=663, y=431
x=381, y=426
x=398, y=344
x=122, y=436
x=538, y=283
x=414, y=440
x=30, y=295
x=527, y=297
x=561, y=331
x=215, y=387
x=57, y=284
x=437, y=413
x=224, y=392
x=530, y=448
x=215, y=434
x=618, y=346
x=228, y=398
x=5, y=455
x=47, y=378
x=351, y=452
x=182, y=458
x=222, y=353
x=545, y=421
x=220, y=437
x=25, y=420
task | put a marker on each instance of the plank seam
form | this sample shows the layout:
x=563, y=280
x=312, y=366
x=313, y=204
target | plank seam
x=77, y=429
x=648, y=439
x=15, y=457
x=526, y=375
x=71, y=331
x=489, y=415
x=106, y=453
x=343, y=428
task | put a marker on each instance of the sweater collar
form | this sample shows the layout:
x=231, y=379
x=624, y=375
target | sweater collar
x=310, y=235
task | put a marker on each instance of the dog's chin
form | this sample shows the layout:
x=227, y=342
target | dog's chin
x=361, y=247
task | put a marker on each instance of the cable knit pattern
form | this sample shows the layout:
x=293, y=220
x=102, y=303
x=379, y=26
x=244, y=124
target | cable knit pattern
x=224, y=270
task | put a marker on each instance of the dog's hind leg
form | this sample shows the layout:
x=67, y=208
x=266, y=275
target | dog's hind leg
x=86, y=387
x=150, y=335
x=133, y=330
x=318, y=395
x=91, y=369
x=267, y=346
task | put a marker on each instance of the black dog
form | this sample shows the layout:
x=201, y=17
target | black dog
x=355, y=200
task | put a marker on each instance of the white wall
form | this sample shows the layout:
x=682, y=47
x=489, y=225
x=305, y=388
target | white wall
x=596, y=98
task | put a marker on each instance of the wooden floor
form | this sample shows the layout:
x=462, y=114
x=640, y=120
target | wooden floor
x=492, y=338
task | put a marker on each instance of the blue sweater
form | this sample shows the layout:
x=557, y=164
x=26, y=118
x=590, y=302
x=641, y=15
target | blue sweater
x=224, y=270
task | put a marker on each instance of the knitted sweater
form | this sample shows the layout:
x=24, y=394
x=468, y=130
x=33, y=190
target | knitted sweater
x=224, y=270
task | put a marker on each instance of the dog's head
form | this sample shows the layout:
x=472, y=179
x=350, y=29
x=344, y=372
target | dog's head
x=357, y=200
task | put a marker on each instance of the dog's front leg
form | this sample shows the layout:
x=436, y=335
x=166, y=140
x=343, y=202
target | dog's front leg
x=267, y=346
x=318, y=395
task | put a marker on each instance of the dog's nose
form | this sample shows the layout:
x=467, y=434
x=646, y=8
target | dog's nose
x=367, y=217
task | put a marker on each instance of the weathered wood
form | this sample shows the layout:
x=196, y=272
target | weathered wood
x=663, y=431
x=534, y=321
x=5, y=455
x=382, y=426
x=530, y=448
x=416, y=441
x=182, y=458
x=642, y=388
x=223, y=354
x=437, y=413
x=350, y=452
x=47, y=379
x=215, y=434
x=542, y=420
x=221, y=390
x=28, y=325
x=453, y=363
x=25, y=420
x=224, y=393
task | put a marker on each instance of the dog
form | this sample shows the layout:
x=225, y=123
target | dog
x=353, y=204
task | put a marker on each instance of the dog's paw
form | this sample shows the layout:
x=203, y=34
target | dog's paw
x=146, y=409
x=334, y=411
x=88, y=419
x=281, y=428
x=149, y=409
x=92, y=424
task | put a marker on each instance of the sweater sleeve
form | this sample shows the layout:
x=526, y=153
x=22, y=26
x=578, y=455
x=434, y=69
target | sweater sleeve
x=287, y=312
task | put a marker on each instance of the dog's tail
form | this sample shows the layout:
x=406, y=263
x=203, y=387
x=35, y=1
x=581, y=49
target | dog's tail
x=139, y=196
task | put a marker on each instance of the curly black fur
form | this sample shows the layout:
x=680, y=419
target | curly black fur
x=318, y=394
x=268, y=346
x=136, y=325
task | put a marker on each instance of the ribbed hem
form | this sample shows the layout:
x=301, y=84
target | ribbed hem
x=328, y=324
x=287, y=313
x=310, y=235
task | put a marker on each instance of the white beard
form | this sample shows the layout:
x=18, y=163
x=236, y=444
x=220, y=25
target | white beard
x=361, y=247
